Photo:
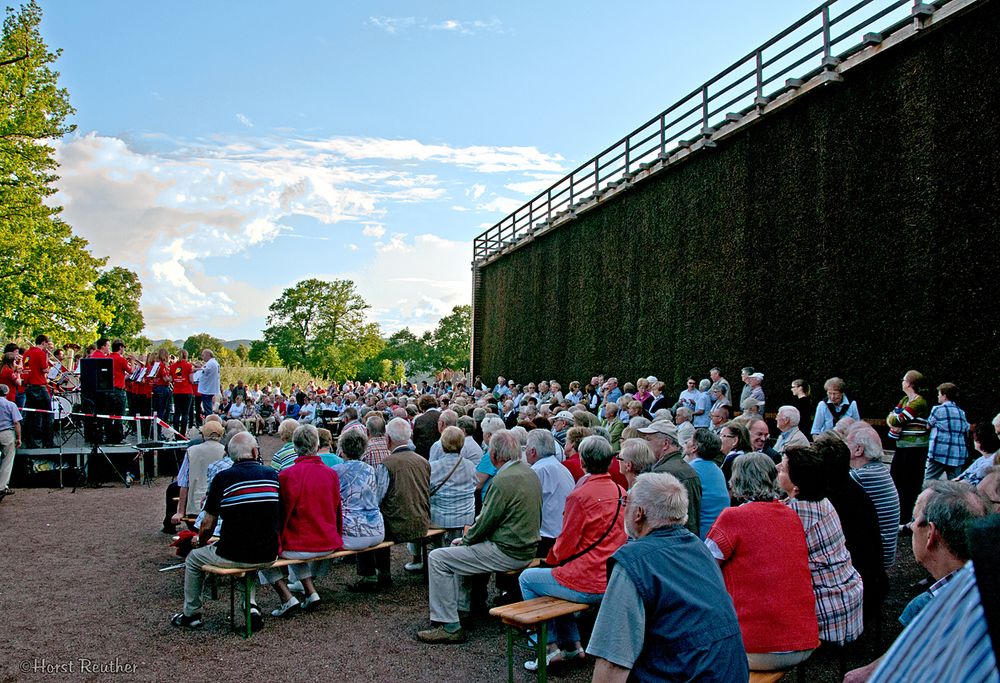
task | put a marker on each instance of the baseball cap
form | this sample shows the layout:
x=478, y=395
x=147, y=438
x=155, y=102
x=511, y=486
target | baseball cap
x=660, y=427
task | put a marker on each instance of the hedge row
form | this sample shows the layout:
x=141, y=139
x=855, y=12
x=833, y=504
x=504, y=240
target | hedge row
x=853, y=234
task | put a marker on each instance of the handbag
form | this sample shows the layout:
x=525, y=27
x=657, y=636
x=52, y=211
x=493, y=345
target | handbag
x=445, y=480
x=576, y=556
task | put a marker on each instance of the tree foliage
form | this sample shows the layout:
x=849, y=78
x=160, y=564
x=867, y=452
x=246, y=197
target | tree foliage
x=196, y=342
x=321, y=326
x=451, y=339
x=118, y=290
x=263, y=354
x=47, y=274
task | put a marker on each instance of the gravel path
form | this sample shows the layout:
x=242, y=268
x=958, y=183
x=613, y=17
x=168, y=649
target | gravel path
x=83, y=590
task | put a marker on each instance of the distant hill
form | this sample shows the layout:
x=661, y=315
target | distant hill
x=232, y=345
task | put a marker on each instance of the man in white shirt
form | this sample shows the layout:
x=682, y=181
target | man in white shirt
x=557, y=484
x=208, y=383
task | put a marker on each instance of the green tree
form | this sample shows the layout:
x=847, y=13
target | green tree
x=263, y=354
x=452, y=339
x=320, y=326
x=119, y=290
x=243, y=352
x=196, y=342
x=47, y=274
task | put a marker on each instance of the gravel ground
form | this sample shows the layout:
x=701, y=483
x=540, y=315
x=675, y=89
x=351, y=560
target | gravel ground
x=84, y=590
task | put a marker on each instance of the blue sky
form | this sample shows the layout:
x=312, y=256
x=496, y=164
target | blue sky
x=227, y=150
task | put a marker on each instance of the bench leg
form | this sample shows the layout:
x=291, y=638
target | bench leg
x=248, y=580
x=213, y=584
x=510, y=654
x=232, y=603
x=424, y=555
x=543, y=651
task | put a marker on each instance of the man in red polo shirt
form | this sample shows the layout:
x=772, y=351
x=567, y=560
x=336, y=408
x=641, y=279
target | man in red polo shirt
x=38, y=426
x=117, y=405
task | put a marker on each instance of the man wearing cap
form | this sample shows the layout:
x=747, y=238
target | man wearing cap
x=745, y=376
x=664, y=442
x=560, y=425
x=192, y=477
x=10, y=438
x=754, y=381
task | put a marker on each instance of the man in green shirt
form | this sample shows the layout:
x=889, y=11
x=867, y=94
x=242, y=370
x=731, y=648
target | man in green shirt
x=503, y=537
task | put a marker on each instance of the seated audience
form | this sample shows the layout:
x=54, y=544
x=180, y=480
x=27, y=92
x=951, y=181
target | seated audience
x=378, y=444
x=571, y=456
x=836, y=583
x=404, y=493
x=662, y=438
x=635, y=458
x=735, y=441
x=868, y=470
x=285, y=455
x=666, y=615
x=363, y=526
x=192, y=477
x=858, y=518
x=701, y=454
x=591, y=532
x=942, y=516
x=988, y=446
x=788, y=424
x=556, y=481
x=761, y=548
x=453, y=487
x=250, y=527
x=311, y=521
x=503, y=537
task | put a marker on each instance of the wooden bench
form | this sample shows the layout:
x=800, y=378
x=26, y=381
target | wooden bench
x=767, y=676
x=247, y=574
x=535, y=612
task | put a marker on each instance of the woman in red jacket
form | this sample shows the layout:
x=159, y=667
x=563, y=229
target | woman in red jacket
x=312, y=520
x=762, y=551
x=592, y=531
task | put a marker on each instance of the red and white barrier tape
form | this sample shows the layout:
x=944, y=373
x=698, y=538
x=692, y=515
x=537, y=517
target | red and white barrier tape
x=130, y=418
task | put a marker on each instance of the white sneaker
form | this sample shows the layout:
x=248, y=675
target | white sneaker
x=311, y=602
x=414, y=567
x=284, y=609
x=553, y=656
x=296, y=587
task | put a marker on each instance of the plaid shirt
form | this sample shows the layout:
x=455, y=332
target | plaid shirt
x=948, y=430
x=836, y=583
x=377, y=450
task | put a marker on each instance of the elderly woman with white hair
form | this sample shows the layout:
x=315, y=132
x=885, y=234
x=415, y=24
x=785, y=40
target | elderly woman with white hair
x=485, y=470
x=285, y=455
x=311, y=520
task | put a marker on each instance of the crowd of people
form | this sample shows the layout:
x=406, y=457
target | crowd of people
x=719, y=548
x=723, y=549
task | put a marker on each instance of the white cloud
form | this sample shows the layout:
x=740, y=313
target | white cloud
x=392, y=25
x=471, y=27
x=539, y=183
x=502, y=205
x=242, y=118
x=162, y=206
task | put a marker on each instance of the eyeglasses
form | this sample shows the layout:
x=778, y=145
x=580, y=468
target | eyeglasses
x=727, y=436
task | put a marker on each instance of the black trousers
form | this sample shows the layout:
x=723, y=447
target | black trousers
x=173, y=491
x=114, y=431
x=38, y=426
x=376, y=560
x=182, y=413
x=907, y=470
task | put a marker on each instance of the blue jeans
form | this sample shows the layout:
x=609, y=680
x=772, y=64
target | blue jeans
x=536, y=583
x=206, y=404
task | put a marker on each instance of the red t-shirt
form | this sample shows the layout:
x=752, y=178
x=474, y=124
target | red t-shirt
x=181, y=371
x=36, y=365
x=766, y=570
x=97, y=353
x=162, y=376
x=145, y=388
x=9, y=376
x=574, y=466
x=119, y=368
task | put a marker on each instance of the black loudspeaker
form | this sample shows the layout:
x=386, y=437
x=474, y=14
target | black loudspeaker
x=96, y=376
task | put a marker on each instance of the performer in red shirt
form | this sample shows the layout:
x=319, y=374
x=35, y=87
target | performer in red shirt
x=101, y=351
x=118, y=403
x=37, y=426
x=181, y=371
